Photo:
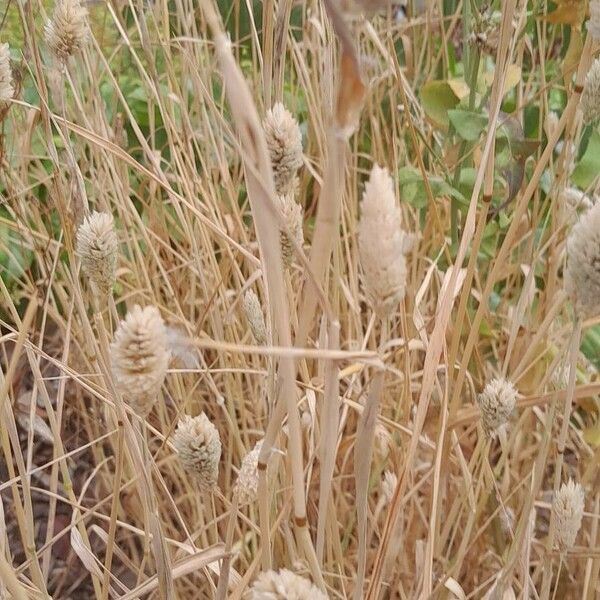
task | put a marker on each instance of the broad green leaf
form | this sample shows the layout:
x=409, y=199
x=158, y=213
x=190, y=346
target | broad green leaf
x=468, y=124
x=592, y=435
x=438, y=97
x=414, y=192
x=513, y=76
x=590, y=345
x=588, y=168
x=573, y=55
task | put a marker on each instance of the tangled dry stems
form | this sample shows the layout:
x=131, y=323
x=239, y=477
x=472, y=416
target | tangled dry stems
x=134, y=125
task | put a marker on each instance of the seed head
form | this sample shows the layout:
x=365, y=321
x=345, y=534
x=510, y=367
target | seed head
x=284, y=585
x=496, y=403
x=67, y=31
x=575, y=202
x=382, y=244
x=293, y=216
x=593, y=25
x=97, y=248
x=140, y=357
x=582, y=272
x=7, y=90
x=199, y=447
x=255, y=317
x=590, y=98
x=507, y=519
x=568, y=511
x=284, y=142
x=559, y=378
x=388, y=485
x=247, y=481
x=550, y=124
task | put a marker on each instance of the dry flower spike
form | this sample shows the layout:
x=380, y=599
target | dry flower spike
x=582, y=272
x=7, y=89
x=97, y=247
x=593, y=24
x=255, y=317
x=140, y=358
x=284, y=142
x=283, y=585
x=292, y=216
x=246, y=485
x=382, y=244
x=496, y=403
x=199, y=448
x=568, y=508
x=590, y=98
x=67, y=30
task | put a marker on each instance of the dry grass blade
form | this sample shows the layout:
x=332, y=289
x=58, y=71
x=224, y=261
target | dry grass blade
x=259, y=181
x=187, y=565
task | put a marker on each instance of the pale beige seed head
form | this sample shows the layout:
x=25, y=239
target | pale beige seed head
x=574, y=202
x=582, y=271
x=568, y=508
x=593, y=24
x=496, y=403
x=284, y=142
x=246, y=485
x=255, y=317
x=383, y=441
x=199, y=448
x=140, y=357
x=388, y=485
x=590, y=98
x=67, y=30
x=507, y=519
x=559, y=378
x=293, y=217
x=382, y=244
x=550, y=124
x=97, y=248
x=7, y=90
x=283, y=585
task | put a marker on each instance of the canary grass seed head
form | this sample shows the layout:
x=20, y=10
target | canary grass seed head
x=247, y=480
x=198, y=445
x=568, y=506
x=140, y=357
x=97, y=247
x=582, y=271
x=283, y=585
x=66, y=32
x=293, y=217
x=388, y=485
x=590, y=98
x=7, y=89
x=284, y=142
x=496, y=403
x=255, y=317
x=382, y=244
x=575, y=201
x=593, y=24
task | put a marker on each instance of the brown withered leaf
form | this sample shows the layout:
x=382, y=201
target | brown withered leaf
x=351, y=93
x=567, y=12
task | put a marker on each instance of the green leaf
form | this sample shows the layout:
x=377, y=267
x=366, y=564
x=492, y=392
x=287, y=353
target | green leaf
x=590, y=345
x=414, y=191
x=592, y=435
x=588, y=168
x=468, y=124
x=438, y=97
